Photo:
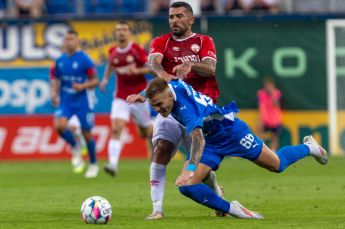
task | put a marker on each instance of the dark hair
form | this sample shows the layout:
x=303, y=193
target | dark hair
x=72, y=31
x=122, y=22
x=269, y=79
x=182, y=4
x=157, y=85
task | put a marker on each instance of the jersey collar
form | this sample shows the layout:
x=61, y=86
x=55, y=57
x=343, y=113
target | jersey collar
x=172, y=91
x=183, y=39
x=124, y=50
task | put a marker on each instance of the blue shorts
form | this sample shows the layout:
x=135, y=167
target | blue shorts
x=86, y=117
x=236, y=140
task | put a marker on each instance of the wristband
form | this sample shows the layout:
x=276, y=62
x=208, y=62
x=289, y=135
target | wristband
x=191, y=167
x=143, y=93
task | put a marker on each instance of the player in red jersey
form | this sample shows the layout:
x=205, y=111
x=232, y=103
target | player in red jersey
x=128, y=61
x=191, y=57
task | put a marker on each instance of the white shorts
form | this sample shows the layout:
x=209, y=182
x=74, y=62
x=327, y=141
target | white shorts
x=170, y=130
x=74, y=121
x=120, y=109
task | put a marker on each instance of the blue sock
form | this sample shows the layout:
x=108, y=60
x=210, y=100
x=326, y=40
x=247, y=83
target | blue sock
x=290, y=154
x=204, y=195
x=91, y=148
x=68, y=136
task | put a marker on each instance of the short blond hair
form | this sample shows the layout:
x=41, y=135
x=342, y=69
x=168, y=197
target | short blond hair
x=157, y=85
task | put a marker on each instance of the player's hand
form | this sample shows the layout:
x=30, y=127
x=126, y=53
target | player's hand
x=166, y=76
x=55, y=100
x=182, y=70
x=135, y=98
x=78, y=86
x=102, y=85
x=184, y=177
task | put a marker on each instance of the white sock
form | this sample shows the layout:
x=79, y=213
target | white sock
x=157, y=181
x=80, y=138
x=114, y=151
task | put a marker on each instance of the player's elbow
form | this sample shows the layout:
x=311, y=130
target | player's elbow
x=200, y=140
x=212, y=71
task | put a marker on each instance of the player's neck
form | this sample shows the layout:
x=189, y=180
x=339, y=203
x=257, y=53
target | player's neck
x=123, y=44
x=186, y=35
x=71, y=52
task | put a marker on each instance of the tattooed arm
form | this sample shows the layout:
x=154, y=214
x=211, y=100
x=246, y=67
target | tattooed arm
x=156, y=68
x=206, y=68
x=197, y=148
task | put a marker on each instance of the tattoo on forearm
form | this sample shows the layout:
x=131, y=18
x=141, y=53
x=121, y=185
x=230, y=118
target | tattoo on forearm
x=197, y=146
x=206, y=68
x=155, y=66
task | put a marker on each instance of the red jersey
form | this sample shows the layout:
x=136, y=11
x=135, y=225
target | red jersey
x=194, y=48
x=270, y=112
x=121, y=60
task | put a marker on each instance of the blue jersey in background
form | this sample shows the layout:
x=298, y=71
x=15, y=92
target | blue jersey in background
x=75, y=69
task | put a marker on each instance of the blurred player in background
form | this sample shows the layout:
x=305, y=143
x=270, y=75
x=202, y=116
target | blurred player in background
x=128, y=61
x=192, y=57
x=77, y=161
x=73, y=78
x=270, y=114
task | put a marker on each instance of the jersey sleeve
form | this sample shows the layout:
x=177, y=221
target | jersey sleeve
x=89, y=67
x=52, y=72
x=157, y=46
x=208, y=49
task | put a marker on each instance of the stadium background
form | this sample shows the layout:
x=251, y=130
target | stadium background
x=290, y=46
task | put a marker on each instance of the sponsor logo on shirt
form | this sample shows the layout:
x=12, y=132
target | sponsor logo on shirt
x=176, y=49
x=193, y=58
x=212, y=54
x=129, y=59
x=195, y=48
x=115, y=61
x=75, y=65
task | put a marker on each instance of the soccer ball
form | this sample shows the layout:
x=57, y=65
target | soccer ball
x=96, y=210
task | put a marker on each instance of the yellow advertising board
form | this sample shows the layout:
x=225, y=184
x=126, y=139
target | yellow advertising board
x=297, y=124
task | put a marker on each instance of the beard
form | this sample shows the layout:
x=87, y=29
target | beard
x=178, y=31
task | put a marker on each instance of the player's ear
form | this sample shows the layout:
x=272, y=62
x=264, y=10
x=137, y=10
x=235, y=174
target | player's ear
x=191, y=20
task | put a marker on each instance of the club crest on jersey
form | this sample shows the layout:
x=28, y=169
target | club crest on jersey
x=115, y=61
x=75, y=65
x=195, y=48
x=176, y=49
x=129, y=59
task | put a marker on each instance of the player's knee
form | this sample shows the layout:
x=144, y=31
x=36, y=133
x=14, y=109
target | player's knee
x=60, y=128
x=87, y=135
x=116, y=132
x=162, y=151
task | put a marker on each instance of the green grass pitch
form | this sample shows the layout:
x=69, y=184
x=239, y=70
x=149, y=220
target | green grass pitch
x=49, y=195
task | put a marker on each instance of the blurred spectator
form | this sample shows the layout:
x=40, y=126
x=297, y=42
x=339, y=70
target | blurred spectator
x=2, y=8
x=113, y=6
x=159, y=6
x=61, y=6
x=250, y=5
x=212, y=6
x=270, y=115
x=208, y=5
x=29, y=8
